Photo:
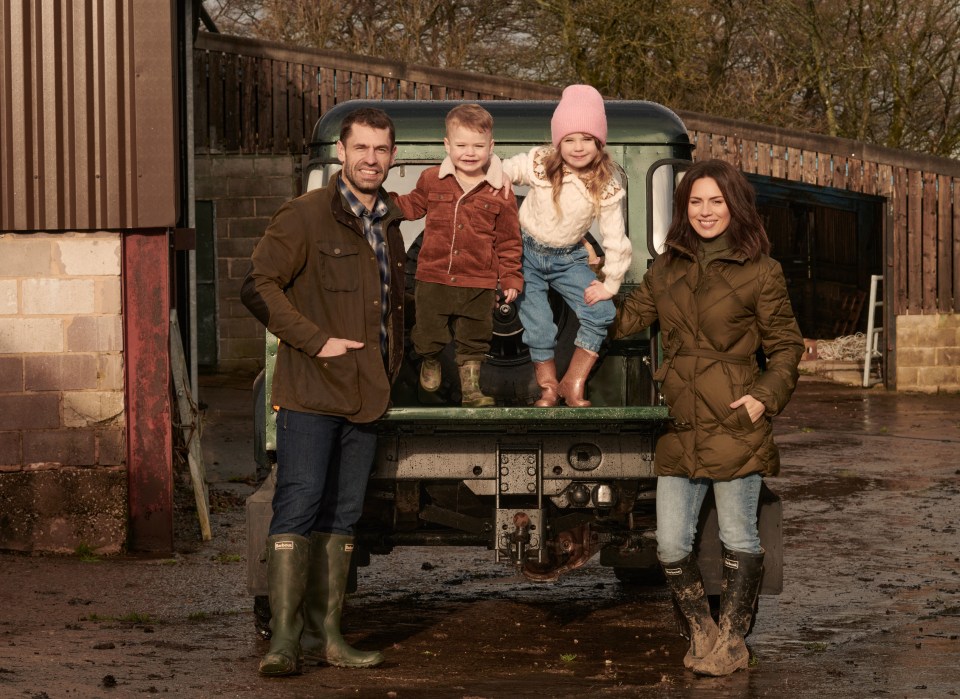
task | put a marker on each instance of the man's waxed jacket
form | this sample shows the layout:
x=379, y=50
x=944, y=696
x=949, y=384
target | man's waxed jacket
x=314, y=276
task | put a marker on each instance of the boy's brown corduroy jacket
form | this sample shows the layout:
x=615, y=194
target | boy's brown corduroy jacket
x=470, y=240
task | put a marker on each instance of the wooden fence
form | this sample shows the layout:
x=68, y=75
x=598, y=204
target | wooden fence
x=258, y=97
x=922, y=255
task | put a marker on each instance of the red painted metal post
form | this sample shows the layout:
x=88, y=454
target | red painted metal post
x=146, y=320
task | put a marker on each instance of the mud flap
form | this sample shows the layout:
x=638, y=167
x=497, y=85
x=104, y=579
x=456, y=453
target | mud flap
x=259, y=513
x=709, y=553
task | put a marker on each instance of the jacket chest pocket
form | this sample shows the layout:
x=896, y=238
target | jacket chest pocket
x=484, y=215
x=339, y=266
x=440, y=206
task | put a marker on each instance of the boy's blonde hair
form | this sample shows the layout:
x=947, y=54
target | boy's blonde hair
x=470, y=116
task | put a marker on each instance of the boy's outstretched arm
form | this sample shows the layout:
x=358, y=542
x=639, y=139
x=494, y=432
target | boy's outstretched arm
x=413, y=206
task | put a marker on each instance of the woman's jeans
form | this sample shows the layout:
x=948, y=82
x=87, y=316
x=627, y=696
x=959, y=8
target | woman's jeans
x=678, y=510
x=566, y=270
x=323, y=465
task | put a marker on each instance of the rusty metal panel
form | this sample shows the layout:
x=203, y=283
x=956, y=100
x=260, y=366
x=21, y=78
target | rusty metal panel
x=88, y=115
x=146, y=300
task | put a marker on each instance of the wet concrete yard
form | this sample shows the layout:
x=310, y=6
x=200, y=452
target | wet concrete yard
x=871, y=603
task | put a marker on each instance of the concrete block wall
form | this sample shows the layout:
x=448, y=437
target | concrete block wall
x=62, y=420
x=246, y=191
x=928, y=353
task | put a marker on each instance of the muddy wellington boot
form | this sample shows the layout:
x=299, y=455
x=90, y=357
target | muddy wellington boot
x=471, y=395
x=327, y=582
x=287, y=556
x=686, y=583
x=547, y=381
x=574, y=382
x=430, y=374
x=741, y=582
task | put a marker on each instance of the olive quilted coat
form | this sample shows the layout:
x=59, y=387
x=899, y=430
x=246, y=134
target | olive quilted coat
x=712, y=321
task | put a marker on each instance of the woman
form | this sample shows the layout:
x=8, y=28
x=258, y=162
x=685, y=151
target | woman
x=719, y=298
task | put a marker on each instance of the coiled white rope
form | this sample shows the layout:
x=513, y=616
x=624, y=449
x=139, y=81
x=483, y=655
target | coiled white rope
x=843, y=349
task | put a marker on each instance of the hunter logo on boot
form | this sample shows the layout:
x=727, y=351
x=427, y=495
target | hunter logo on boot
x=348, y=548
x=282, y=545
x=731, y=563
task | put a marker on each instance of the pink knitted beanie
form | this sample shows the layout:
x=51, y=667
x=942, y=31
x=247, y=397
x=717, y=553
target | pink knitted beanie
x=580, y=111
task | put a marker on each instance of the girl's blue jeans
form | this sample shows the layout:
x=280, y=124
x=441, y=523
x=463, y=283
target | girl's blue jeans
x=566, y=271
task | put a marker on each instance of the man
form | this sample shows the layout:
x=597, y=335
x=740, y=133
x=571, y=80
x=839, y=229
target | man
x=327, y=279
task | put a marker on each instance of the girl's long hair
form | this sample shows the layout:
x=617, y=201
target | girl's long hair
x=595, y=178
x=745, y=232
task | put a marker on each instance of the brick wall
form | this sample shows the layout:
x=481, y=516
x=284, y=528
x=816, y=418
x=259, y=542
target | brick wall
x=246, y=191
x=928, y=353
x=62, y=426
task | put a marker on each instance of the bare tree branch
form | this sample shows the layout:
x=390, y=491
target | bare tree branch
x=883, y=71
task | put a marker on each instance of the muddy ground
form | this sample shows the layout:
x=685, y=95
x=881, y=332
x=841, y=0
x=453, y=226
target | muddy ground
x=870, y=607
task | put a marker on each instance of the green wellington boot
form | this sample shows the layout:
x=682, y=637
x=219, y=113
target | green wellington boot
x=327, y=581
x=431, y=373
x=287, y=556
x=471, y=395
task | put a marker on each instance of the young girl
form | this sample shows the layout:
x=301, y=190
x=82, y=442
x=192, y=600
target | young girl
x=572, y=183
x=719, y=297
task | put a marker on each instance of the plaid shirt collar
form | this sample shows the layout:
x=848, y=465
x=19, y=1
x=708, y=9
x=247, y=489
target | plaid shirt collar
x=372, y=222
x=380, y=208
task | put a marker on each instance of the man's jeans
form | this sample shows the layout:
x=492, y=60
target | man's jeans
x=323, y=465
x=565, y=270
x=678, y=510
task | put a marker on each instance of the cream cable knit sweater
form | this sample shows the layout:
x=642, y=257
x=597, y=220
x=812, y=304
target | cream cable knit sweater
x=540, y=220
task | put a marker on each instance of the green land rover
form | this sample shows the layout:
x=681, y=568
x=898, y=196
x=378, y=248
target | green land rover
x=544, y=488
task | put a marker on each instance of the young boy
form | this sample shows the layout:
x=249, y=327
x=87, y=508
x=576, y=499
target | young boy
x=471, y=241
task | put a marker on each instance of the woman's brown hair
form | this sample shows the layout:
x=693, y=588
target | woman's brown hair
x=745, y=233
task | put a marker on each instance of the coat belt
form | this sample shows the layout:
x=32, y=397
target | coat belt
x=729, y=357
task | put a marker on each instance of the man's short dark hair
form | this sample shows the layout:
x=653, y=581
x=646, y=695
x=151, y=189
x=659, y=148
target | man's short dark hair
x=367, y=116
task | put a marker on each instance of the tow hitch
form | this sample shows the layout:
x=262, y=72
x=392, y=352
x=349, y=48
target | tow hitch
x=521, y=520
x=571, y=549
x=519, y=504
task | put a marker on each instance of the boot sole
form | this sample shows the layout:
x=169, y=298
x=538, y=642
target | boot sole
x=721, y=671
x=285, y=672
x=318, y=660
x=290, y=673
x=357, y=667
x=429, y=386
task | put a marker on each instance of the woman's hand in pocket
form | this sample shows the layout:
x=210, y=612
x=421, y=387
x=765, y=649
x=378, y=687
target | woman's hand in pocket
x=754, y=407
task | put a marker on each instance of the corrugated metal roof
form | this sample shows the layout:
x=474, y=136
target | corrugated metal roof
x=88, y=115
